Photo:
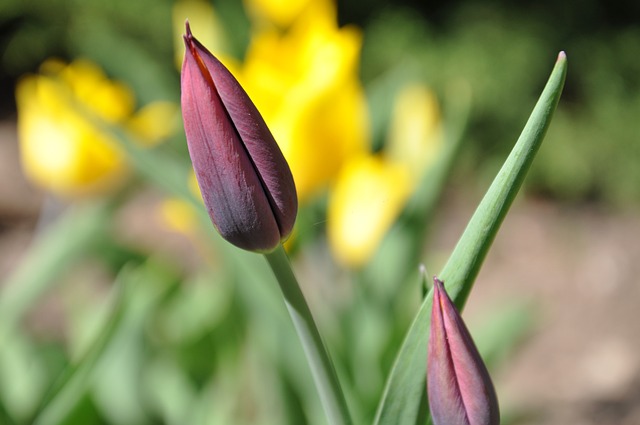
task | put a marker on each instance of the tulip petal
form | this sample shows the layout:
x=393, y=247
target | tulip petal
x=269, y=162
x=231, y=188
x=459, y=387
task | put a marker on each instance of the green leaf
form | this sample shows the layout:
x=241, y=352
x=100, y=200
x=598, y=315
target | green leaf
x=72, y=384
x=4, y=415
x=400, y=403
x=51, y=254
x=136, y=293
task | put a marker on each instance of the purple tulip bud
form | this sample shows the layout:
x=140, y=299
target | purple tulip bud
x=459, y=387
x=245, y=181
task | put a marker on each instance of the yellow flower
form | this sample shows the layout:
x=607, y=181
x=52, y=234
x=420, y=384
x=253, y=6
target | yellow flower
x=372, y=190
x=61, y=150
x=365, y=202
x=415, y=132
x=305, y=84
x=180, y=215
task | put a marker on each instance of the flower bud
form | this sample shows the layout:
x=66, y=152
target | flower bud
x=458, y=383
x=246, y=184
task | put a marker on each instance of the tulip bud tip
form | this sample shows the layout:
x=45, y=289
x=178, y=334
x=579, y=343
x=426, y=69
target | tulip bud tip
x=244, y=179
x=459, y=387
x=438, y=283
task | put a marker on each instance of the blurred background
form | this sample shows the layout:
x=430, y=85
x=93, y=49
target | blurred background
x=120, y=305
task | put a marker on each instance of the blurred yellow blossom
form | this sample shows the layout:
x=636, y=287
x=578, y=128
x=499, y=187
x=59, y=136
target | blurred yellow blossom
x=178, y=214
x=415, y=132
x=63, y=152
x=372, y=190
x=305, y=83
x=153, y=122
x=365, y=202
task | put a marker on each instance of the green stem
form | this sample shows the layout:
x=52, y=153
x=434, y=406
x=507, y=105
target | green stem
x=318, y=357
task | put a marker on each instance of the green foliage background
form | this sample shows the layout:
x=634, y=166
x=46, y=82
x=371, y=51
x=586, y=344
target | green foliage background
x=218, y=345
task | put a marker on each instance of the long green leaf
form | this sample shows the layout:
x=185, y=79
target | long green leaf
x=72, y=383
x=400, y=402
x=51, y=254
x=136, y=293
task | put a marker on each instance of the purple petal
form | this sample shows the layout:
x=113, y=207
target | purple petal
x=460, y=389
x=231, y=188
x=269, y=163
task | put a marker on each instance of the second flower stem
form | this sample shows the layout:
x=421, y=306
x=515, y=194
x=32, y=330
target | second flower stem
x=322, y=369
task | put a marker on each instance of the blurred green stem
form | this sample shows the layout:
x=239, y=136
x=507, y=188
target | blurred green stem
x=318, y=357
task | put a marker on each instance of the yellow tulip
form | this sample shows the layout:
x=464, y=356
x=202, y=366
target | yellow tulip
x=63, y=152
x=372, y=190
x=305, y=84
x=415, y=132
x=179, y=214
x=364, y=203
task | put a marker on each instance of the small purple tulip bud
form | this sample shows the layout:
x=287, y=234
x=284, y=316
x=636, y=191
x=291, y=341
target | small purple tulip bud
x=458, y=383
x=245, y=181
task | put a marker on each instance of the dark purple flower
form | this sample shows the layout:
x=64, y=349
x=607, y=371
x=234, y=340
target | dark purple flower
x=458, y=383
x=245, y=181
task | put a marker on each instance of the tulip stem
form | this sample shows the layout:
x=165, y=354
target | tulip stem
x=318, y=357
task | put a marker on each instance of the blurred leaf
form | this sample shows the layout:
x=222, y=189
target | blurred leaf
x=117, y=384
x=379, y=91
x=201, y=303
x=169, y=390
x=401, y=401
x=503, y=331
x=22, y=377
x=72, y=384
x=237, y=26
x=52, y=253
x=106, y=363
x=127, y=57
x=4, y=416
x=9, y=9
